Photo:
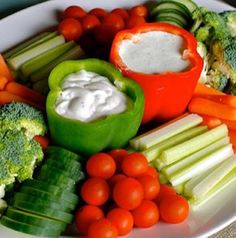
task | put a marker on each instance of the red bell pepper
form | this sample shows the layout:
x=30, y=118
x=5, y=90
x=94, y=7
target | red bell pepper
x=166, y=94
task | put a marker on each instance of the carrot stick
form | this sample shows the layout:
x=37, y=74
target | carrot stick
x=201, y=90
x=43, y=141
x=26, y=93
x=232, y=136
x=231, y=124
x=3, y=82
x=210, y=121
x=4, y=70
x=6, y=97
x=211, y=108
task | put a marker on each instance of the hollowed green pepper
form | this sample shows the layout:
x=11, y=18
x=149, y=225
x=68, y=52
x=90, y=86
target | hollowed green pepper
x=113, y=131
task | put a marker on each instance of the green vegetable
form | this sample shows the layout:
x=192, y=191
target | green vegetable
x=22, y=117
x=230, y=19
x=113, y=131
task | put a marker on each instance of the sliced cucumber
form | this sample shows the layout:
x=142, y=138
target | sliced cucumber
x=170, y=21
x=175, y=17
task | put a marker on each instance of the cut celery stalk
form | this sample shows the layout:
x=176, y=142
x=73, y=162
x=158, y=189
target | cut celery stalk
x=186, y=148
x=181, y=164
x=154, y=151
x=179, y=188
x=230, y=178
x=164, y=132
x=27, y=44
x=43, y=73
x=16, y=61
x=203, y=164
x=199, y=187
x=43, y=59
x=158, y=164
x=163, y=179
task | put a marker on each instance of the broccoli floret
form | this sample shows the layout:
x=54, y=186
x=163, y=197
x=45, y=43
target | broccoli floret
x=230, y=19
x=20, y=116
x=2, y=190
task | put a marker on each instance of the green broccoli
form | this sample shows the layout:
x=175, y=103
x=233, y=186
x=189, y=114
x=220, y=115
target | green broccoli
x=19, y=116
x=230, y=19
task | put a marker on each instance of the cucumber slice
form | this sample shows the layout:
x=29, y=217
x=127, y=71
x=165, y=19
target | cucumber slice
x=44, y=210
x=177, y=18
x=29, y=229
x=32, y=219
x=170, y=21
x=189, y=4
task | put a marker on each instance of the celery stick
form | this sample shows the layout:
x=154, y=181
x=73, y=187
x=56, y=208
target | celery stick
x=154, y=151
x=43, y=59
x=180, y=164
x=186, y=148
x=197, y=188
x=158, y=164
x=16, y=61
x=163, y=179
x=179, y=188
x=203, y=164
x=30, y=42
x=164, y=132
x=230, y=178
x=42, y=74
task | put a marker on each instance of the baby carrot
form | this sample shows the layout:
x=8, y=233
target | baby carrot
x=201, y=90
x=4, y=70
x=43, y=141
x=3, y=82
x=210, y=121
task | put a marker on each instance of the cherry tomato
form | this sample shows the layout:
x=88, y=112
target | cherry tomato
x=151, y=186
x=95, y=191
x=174, y=209
x=105, y=33
x=85, y=216
x=122, y=219
x=118, y=155
x=70, y=28
x=114, y=180
x=152, y=172
x=134, y=21
x=74, y=12
x=164, y=191
x=139, y=10
x=128, y=193
x=101, y=165
x=89, y=22
x=98, y=12
x=103, y=228
x=115, y=20
x=134, y=164
x=146, y=214
x=122, y=12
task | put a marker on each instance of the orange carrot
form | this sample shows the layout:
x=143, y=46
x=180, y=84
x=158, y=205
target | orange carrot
x=4, y=70
x=43, y=141
x=26, y=93
x=232, y=136
x=6, y=97
x=208, y=107
x=201, y=90
x=3, y=82
x=210, y=121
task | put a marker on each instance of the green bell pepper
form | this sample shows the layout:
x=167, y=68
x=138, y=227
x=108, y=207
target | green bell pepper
x=113, y=131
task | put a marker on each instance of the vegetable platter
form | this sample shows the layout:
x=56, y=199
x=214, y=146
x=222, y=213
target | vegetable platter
x=202, y=222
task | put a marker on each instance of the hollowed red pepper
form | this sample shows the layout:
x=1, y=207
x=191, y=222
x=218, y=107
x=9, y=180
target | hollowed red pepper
x=166, y=94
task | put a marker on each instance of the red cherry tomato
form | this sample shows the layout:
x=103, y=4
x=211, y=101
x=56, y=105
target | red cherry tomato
x=95, y=191
x=115, y=20
x=114, y=180
x=146, y=215
x=70, y=28
x=151, y=186
x=139, y=10
x=101, y=165
x=134, y=21
x=89, y=22
x=134, y=164
x=174, y=209
x=122, y=219
x=118, y=155
x=164, y=191
x=98, y=12
x=85, y=216
x=122, y=12
x=152, y=172
x=128, y=193
x=103, y=228
x=74, y=12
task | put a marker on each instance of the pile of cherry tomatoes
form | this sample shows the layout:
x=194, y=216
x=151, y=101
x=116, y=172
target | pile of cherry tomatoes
x=95, y=30
x=123, y=191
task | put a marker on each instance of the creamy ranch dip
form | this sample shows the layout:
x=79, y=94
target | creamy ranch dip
x=154, y=52
x=87, y=96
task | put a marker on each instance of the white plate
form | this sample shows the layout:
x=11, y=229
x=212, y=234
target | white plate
x=217, y=213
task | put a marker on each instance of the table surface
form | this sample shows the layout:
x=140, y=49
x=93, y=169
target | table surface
x=9, y=6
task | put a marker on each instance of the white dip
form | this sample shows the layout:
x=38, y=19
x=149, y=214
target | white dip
x=87, y=96
x=154, y=52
